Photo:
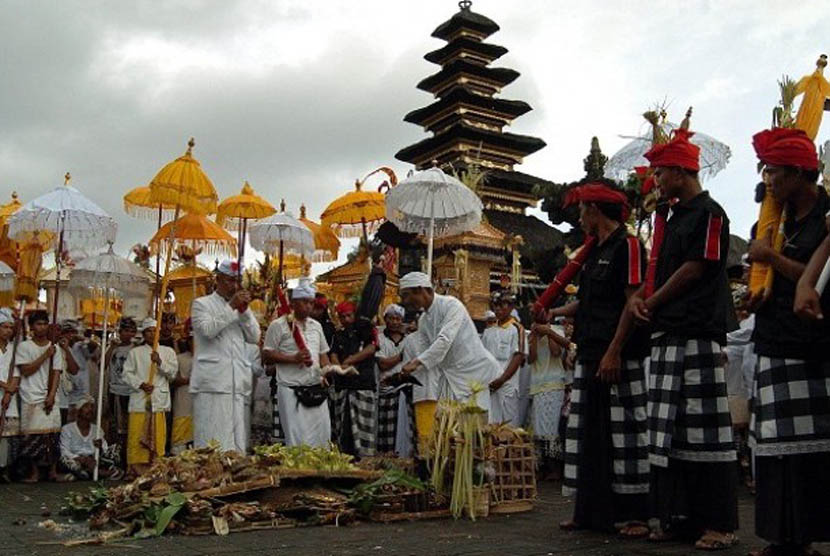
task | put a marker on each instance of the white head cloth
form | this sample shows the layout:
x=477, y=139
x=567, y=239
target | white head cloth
x=415, y=280
x=515, y=314
x=147, y=323
x=6, y=315
x=229, y=267
x=304, y=290
x=395, y=310
x=489, y=315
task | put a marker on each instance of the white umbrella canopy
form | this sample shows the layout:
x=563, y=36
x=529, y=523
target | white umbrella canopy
x=282, y=232
x=267, y=234
x=432, y=202
x=108, y=271
x=6, y=277
x=112, y=274
x=714, y=155
x=65, y=209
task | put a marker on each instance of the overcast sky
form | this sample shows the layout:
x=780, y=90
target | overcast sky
x=301, y=98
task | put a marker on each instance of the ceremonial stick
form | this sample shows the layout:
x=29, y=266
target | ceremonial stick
x=565, y=276
x=661, y=214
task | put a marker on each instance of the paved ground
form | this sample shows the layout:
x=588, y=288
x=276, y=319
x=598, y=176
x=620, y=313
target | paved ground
x=533, y=533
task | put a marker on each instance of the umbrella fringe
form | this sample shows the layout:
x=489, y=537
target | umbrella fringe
x=207, y=247
x=147, y=213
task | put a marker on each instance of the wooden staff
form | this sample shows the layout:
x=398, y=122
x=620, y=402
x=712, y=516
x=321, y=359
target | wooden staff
x=661, y=215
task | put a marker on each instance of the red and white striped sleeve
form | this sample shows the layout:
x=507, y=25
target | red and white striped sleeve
x=634, y=270
x=712, y=245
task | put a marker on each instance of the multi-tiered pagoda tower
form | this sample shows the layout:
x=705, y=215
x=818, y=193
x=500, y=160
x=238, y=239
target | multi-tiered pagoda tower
x=467, y=122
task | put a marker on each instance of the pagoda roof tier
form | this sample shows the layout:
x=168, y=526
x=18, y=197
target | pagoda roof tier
x=468, y=49
x=461, y=100
x=466, y=22
x=454, y=141
x=535, y=233
x=489, y=80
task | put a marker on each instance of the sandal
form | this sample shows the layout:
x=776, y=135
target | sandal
x=570, y=525
x=714, y=540
x=634, y=530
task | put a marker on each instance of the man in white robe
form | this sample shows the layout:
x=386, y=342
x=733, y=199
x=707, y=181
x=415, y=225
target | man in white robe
x=222, y=326
x=506, y=342
x=298, y=369
x=453, y=344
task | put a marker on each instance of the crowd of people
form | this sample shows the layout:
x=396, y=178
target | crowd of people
x=634, y=389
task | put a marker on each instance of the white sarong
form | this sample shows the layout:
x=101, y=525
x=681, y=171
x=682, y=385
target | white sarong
x=301, y=424
x=225, y=418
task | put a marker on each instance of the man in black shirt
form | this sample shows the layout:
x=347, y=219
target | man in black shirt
x=790, y=426
x=691, y=444
x=355, y=397
x=320, y=313
x=606, y=442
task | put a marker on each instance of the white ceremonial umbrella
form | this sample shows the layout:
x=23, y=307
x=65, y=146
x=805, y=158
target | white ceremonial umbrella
x=77, y=223
x=714, y=155
x=281, y=232
x=110, y=273
x=6, y=277
x=432, y=202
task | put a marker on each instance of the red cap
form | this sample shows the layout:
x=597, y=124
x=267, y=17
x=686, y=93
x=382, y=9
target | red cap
x=321, y=301
x=678, y=152
x=786, y=147
x=345, y=307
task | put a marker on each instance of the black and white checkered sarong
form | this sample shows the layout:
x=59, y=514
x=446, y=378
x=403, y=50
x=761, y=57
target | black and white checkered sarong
x=388, y=414
x=277, y=434
x=791, y=407
x=362, y=410
x=688, y=408
x=629, y=433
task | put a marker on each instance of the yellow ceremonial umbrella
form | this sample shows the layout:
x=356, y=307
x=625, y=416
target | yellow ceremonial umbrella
x=326, y=244
x=293, y=266
x=197, y=232
x=234, y=212
x=137, y=203
x=183, y=184
x=8, y=247
x=353, y=213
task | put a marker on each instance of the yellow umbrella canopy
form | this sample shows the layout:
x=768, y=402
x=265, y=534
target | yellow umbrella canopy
x=182, y=183
x=245, y=206
x=293, y=266
x=326, y=244
x=137, y=203
x=9, y=208
x=196, y=232
x=356, y=213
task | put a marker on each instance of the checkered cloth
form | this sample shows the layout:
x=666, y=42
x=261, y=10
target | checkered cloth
x=388, y=413
x=791, y=407
x=629, y=434
x=362, y=411
x=688, y=409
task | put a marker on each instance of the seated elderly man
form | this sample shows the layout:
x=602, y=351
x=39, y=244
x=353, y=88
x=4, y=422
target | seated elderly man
x=77, y=445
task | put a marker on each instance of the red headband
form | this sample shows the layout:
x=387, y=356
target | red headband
x=321, y=302
x=345, y=307
x=786, y=147
x=595, y=193
x=678, y=152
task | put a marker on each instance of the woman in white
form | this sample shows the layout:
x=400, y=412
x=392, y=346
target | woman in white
x=299, y=371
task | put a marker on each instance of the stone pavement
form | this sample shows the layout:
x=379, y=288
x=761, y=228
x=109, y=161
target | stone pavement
x=533, y=533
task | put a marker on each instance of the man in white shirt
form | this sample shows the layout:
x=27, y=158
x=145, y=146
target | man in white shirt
x=453, y=344
x=149, y=399
x=301, y=396
x=506, y=341
x=40, y=363
x=77, y=445
x=9, y=381
x=223, y=326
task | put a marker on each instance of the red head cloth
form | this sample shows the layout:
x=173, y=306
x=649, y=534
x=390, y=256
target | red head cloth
x=786, y=147
x=594, y=193
x=678, y=152
x=345, y=307
x=321, y=302
x=647, y=177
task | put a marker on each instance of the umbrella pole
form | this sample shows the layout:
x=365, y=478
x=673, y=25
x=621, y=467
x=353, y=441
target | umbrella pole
x=365, y=233
x=279, y=268
x=431, y=238
x=158, y=261
x=99, y=407
x=58, y=257
x=240, y=251
x=149, y=440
